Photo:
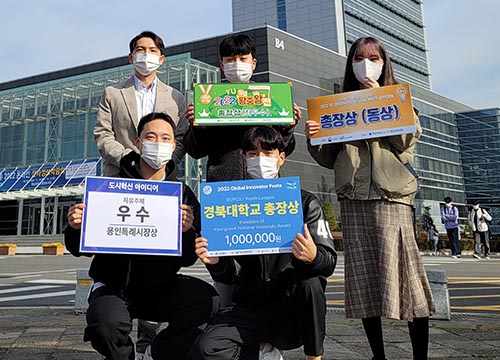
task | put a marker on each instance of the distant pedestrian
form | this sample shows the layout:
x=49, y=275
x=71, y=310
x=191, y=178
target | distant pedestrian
x=449, y=217
x=478, y=220
x=433, y=237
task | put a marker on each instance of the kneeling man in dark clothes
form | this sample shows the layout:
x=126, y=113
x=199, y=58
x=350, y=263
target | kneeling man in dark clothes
x=279, y=299
x=144, y=286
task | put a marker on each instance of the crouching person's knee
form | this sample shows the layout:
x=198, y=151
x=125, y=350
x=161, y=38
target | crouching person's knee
x=109, y=324
x=198, y=351
x=110, y=338
x=310, y=287
x=108, y=331
x=211, y=346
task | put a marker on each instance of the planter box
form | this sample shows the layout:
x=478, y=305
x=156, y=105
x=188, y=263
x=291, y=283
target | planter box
x=8, y=250
x=53, y=250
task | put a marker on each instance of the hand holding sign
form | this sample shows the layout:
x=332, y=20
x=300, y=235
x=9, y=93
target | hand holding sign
x=187, y=217
x=312, y=127
x=370, y=83
x=297, y=114
x=190, y=114
x=304, y=248
x=75, y=215
x=202, y=252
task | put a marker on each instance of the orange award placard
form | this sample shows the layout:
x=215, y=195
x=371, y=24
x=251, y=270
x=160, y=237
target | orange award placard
x=363, y=114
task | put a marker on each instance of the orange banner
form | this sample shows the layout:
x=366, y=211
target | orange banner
x=363, y=114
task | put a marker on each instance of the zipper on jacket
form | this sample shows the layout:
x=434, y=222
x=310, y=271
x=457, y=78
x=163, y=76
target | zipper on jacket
x=129, y=270
x=264, y=269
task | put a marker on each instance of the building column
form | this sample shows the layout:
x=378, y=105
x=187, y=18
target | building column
x=54, y=216
x=20, y=205
x=42, y=215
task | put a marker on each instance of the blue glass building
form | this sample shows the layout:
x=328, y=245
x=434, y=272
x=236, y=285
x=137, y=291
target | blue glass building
x=479, y=144
x=336, y=24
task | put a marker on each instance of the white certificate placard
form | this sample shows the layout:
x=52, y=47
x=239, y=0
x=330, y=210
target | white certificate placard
x=128, y=216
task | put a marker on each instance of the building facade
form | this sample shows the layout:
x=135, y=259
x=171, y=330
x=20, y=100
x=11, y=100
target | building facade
x=281, y=57
x=479, y=140
x=316, y=71
x=336, y=24
x=46, y=132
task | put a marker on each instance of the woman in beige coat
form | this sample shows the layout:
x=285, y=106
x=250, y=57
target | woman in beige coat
x=376, y=185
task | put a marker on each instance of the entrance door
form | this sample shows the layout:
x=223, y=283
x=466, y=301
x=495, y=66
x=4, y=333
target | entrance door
x=62, y=216
x=34, y=219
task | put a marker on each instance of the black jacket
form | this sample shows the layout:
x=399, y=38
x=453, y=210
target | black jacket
x=141, y=273
x=222, y=145
x=258, y=277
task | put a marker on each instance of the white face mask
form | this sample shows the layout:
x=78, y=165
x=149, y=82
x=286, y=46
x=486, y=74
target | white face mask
x=366, y=68
x=262, y=167
x=238, y=72
x=156, y=154
x=476, y=207
x=449, y=205
x=146, y=63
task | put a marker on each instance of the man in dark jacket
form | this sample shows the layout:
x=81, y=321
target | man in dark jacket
x=279, y=298
x=140, y=286
x=222, y=144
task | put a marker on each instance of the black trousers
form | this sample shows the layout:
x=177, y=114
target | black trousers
x=295, y=318
x=454, y=241
x=186, y=304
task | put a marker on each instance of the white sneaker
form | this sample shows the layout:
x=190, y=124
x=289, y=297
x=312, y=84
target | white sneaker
x=477, y=256
x=453, y=256
x=145, y=356
x=269, y=352
x=487, y=257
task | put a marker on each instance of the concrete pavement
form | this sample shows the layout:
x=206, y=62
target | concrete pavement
x=56, y=333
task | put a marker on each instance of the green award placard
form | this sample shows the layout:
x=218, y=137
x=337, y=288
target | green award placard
x=243, y=104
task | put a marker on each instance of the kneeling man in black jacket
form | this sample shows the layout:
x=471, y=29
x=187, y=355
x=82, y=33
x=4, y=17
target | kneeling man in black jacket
x=144, y=286
x=279, y=299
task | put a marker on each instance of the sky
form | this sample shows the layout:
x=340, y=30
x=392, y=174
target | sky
x=39, y=36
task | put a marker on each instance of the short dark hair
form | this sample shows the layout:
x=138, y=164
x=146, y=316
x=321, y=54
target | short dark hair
x=386, y=77
x=147, y=34
x=448, y=199
x=266, y=137
x=475, y=202
x=154, y=116
x=240, y=44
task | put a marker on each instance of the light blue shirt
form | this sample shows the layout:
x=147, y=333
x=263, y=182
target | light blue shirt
x=145, y=97
x=449, y=217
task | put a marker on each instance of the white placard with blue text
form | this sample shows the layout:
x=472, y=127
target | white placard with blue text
x=251, y=216
x=128, y=216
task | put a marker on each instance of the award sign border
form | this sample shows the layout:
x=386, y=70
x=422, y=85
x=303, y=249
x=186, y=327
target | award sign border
x=250, y=193
x=101, y=184
x=207, y=90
